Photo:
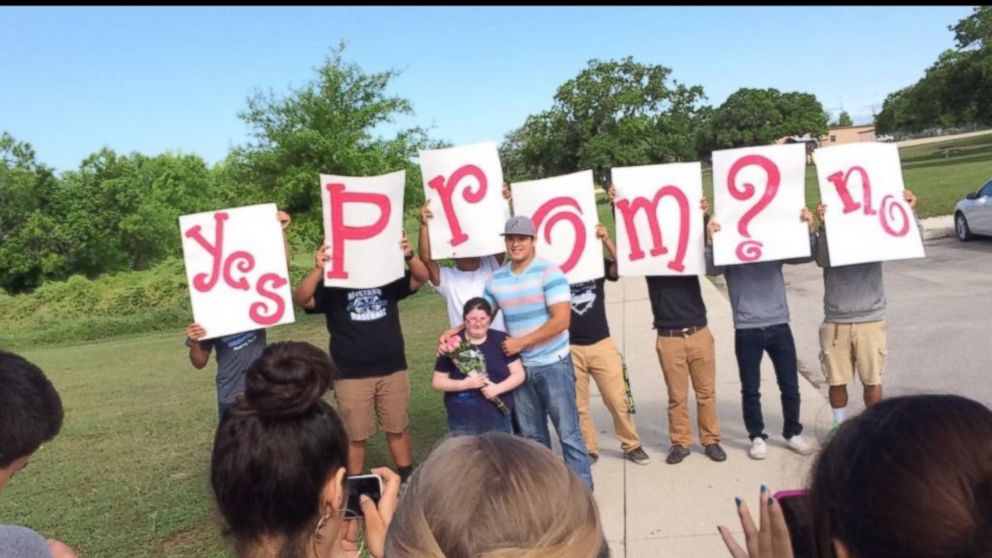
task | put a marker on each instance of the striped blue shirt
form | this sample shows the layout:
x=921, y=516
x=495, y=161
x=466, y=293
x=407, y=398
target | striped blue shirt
x=525, y=300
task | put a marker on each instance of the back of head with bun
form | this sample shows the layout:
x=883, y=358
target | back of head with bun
x=277, y=449
x=287, y=381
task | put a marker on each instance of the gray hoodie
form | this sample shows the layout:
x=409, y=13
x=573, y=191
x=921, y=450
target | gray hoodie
x=757, y=290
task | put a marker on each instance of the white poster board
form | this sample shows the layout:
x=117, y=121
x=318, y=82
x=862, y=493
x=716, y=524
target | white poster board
x=363, y=226
x=236, y=269
x=866, y=218
x=564, y=200
x=759, y=194
x=463, y=186
x=658, y=219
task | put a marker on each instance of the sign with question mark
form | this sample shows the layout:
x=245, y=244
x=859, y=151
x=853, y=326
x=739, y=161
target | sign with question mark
x=658, y=219
x=464, y=187
x=759, y=194
x=563, y=209
x=866, y=218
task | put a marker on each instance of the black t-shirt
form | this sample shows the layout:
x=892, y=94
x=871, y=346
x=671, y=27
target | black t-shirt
x=676, y=301
x=366, y=339
x=589, y=325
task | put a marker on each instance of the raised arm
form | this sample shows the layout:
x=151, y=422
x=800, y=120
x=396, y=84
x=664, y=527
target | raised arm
x=198, y=356
x=303, y=295
x=806, y=216
x=612, y=272
x=418, y=271
x=284, y=221
x=424, y=246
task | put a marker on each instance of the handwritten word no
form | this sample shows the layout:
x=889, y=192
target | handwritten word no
x=890, y=208
x=244, y=262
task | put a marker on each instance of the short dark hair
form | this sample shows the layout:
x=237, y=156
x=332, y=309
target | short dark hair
x=275, y=451
x=477, y=303
x=910, y=477
x=30, y=408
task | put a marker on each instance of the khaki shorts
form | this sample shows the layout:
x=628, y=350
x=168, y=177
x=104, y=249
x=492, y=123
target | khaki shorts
x=846, y=347
x=361, y=400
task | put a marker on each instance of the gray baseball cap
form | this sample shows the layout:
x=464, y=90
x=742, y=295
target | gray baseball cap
x=519, y=225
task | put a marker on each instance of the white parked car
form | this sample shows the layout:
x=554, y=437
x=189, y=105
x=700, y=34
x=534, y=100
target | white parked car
x=885, y=138
x=973, y=214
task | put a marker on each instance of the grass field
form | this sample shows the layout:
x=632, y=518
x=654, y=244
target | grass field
x=128, y=475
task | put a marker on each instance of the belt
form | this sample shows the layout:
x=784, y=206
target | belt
x=682, y=332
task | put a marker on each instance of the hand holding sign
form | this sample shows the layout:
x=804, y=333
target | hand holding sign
x=756, y=192
x=871, y=215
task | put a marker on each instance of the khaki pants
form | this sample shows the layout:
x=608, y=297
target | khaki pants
x=602, y=361
x=362, y=400
x=845, y=348
x=686, y=357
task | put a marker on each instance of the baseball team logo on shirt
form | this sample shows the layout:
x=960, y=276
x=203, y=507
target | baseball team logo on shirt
x=366, y=305
x=583, y=297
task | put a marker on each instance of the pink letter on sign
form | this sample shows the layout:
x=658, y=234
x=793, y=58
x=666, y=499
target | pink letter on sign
x=257, y=309
x=629, y=208
x=840, y=180
x=340, y=232
x=572, y=218
x=205, y=283
x=750, y=250
x=447, y=189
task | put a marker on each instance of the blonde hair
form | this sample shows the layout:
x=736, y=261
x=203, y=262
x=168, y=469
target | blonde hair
x=495, y=496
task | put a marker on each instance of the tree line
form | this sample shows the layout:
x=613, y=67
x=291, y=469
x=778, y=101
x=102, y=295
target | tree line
x=118, y=212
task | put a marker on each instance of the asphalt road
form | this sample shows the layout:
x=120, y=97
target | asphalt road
x=939, y=321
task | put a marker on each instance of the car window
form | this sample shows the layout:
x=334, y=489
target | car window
x=986, y=190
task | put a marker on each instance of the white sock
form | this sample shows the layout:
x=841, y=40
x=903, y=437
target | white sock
x=839, y=414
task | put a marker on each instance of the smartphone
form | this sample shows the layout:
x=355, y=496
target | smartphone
x=795, y=508
x=369, y=485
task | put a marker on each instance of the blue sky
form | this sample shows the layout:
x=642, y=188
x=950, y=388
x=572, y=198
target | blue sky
x=173, y=79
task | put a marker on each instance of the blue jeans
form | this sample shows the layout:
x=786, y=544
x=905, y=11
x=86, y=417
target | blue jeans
x=750, y=345
x=473, y=426
x=550, y=390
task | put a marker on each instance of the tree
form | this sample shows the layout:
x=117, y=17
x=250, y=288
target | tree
x=326, y=127
x=613, y=113
x=954, y=90
x=760, y=116
x=27, y=189
x=844, y=119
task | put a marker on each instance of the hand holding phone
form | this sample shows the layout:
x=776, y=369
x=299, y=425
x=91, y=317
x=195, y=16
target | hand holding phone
x=369, y=485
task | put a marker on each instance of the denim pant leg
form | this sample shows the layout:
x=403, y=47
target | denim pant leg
x=749, y=346
x=529, y=410
x=782, y=350
x=560, y=386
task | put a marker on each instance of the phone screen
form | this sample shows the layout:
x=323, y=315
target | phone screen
x=369, y=485
x=795, y=508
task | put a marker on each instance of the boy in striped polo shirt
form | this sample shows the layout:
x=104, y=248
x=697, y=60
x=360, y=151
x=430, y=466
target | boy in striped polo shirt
x=536, y=303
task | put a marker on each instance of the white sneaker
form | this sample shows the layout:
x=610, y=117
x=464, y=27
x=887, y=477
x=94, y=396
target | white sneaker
x=799, y=445
x=759, y=449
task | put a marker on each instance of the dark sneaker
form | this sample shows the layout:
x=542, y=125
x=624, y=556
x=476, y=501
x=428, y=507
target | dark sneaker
x=677, y=454
x=638, y=456
x=593, y=458
x=715, y=452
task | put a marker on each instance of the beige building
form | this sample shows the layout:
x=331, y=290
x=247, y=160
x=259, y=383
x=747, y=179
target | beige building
x=847, y=134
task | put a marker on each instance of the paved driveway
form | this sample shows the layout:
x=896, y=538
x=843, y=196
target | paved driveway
x=940, y=320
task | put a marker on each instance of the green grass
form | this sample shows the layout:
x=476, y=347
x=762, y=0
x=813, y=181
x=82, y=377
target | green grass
x=128, y=475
